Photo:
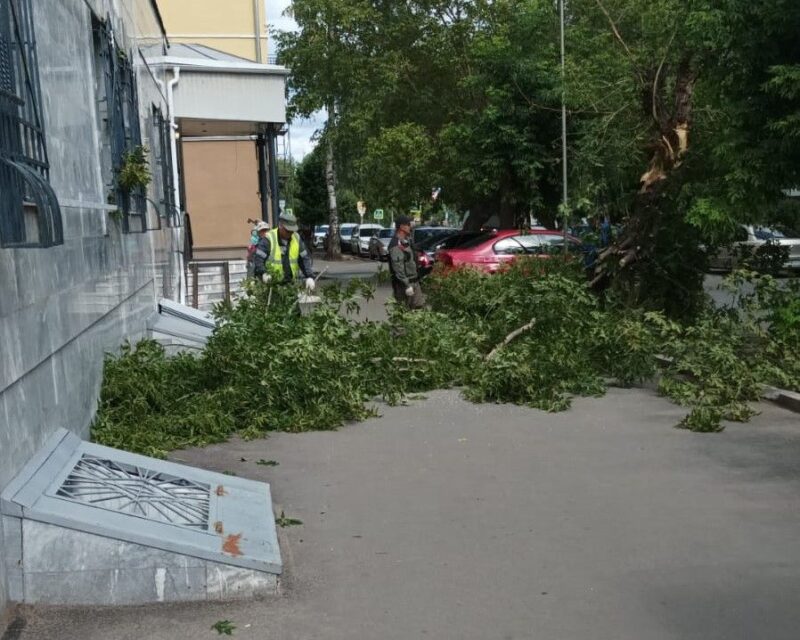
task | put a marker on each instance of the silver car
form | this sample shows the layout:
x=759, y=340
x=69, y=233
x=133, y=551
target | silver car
x=359, y=241
x=379, y=245
x=750, y=238
x=320, y=231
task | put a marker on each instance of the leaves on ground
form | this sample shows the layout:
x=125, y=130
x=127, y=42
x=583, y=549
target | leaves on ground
x=283, y=521
x=223, y=627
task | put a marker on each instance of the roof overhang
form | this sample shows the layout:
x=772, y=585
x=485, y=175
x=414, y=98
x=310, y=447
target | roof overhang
x=245, y=95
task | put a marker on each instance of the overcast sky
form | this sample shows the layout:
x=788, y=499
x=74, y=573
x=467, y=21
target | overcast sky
x=300, y=132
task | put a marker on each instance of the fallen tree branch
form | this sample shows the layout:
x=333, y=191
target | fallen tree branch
x=402, y=359
x=510, y=337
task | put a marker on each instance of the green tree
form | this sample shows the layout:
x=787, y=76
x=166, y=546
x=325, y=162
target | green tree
x=323, y=62
x=397, y=166
x=674, y=130
x=311, y=196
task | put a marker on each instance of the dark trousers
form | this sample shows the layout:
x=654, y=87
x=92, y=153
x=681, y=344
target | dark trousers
x=415, y=301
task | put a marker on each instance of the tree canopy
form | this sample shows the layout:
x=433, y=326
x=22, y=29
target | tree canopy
x=683, y=115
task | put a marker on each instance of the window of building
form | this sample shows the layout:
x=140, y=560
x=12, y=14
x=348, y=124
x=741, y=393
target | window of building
x=118, y=105
x=162, y=154
x=29, y=212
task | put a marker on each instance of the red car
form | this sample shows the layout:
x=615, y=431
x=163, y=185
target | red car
x=491, y=250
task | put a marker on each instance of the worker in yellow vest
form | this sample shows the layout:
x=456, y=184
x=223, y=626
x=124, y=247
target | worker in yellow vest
x=281, y=255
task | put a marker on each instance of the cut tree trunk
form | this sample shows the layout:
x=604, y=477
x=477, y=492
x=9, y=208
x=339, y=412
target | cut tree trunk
x=668, y=148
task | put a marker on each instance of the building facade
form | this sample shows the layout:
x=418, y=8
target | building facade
x=230, y=112
x=85, y=253
x=237, y=27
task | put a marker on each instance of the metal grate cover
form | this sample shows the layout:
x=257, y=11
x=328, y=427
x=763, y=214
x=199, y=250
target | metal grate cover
x=138, y=491
x=156, y=504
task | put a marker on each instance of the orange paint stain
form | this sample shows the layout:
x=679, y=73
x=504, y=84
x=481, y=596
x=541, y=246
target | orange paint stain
x=231, y=545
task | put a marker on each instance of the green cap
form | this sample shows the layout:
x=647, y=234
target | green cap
x=288, y=220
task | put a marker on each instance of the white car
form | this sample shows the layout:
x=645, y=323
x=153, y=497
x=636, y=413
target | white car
x=345, y=231
x=320, y=231
x=362, y=234
x=750, y=238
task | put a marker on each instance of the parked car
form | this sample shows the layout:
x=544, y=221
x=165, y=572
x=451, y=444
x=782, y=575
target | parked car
x=426, y=250
x=421, y=234
x=362, y=234
x=749, y=239
x=345, y=232
x=490, y=250
x=320, y=231
x=379, y=244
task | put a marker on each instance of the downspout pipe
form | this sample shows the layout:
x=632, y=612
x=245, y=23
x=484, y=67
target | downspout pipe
x=176, y=192
x=176, y=75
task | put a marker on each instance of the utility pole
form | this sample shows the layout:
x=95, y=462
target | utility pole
x=565, y=203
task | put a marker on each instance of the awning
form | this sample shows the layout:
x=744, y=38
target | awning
x=219, y=94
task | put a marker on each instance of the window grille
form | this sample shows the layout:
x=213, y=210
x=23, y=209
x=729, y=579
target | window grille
x=29, y=212
x=122, y=123
x=163, y=134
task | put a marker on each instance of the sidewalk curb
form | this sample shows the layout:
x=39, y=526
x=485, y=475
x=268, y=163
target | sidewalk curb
x=787, y=399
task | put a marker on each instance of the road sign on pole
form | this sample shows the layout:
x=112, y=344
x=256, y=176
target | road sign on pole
x=378, y=214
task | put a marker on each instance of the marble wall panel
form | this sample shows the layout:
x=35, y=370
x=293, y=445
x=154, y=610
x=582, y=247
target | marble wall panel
x=63, y=308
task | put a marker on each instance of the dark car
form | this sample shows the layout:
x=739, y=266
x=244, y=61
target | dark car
x=427, y=248
x=421, y=234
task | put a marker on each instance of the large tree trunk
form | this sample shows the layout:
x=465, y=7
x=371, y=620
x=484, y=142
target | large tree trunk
x=500, y=210
x=334, y=249
x=669, y=145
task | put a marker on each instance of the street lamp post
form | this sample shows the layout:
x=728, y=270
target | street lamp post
x=565, y=203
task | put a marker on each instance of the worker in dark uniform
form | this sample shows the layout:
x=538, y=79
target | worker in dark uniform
x=403, y=266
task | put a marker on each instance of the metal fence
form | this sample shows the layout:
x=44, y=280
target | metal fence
x=29, y=212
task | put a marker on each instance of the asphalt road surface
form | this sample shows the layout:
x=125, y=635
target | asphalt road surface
x=449, y=520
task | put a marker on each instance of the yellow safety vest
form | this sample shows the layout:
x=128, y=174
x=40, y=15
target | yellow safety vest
x=275, y=260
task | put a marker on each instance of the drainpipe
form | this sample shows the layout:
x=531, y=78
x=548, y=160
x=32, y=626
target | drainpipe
x=176, y=192
x=176, y=74
x=257, y=28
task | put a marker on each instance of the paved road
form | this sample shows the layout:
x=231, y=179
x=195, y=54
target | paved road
x=352, y=267
x=455, y=521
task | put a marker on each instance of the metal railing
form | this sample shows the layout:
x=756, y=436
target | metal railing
x=211, y=282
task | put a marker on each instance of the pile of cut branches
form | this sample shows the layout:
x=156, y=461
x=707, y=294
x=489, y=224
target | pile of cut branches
x=532, y=335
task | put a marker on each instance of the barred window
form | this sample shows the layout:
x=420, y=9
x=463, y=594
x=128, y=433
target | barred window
x=29, y=212
x=119, y=108
x=162, y=153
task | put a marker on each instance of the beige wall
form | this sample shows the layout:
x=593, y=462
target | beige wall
x=227, y=25
x=221, y=179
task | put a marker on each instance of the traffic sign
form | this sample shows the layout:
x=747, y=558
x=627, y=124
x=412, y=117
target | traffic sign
x=288, y=211
x=378, y=214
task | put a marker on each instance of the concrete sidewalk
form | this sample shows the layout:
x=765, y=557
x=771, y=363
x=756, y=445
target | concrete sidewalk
x=450, y=520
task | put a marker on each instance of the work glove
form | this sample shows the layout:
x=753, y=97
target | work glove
x=310, y=285
x=409, y=291
x=266, y=278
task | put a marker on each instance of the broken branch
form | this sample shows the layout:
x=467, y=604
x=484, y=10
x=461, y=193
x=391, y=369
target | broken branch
x=510, y=337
